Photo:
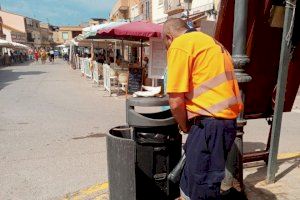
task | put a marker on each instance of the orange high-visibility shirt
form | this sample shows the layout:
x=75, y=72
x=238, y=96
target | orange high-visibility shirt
x=202, y=69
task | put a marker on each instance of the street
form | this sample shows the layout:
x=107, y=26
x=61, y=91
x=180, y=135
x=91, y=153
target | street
x=53, y=124
x=52, y=131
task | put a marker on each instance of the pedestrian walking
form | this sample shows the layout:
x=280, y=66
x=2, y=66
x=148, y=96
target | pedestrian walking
x=205, y=100
x=36, y=56
x=51, y=57
x=43, y=56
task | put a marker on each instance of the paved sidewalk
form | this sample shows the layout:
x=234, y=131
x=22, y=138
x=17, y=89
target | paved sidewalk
x=286, y=187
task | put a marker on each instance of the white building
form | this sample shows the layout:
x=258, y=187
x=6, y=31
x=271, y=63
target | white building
x=158, y=12
x=198, y=10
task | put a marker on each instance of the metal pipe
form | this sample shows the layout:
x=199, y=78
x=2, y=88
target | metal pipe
x=240, y=27
x=115, y=54
x=141, y=53
x=234, y=165
x=281, y=87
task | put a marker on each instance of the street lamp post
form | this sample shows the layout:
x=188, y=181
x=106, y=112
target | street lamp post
x=234, y=165
x=189, y=5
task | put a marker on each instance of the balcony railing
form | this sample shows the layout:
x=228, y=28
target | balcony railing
x=173, y=7
x=202, y=8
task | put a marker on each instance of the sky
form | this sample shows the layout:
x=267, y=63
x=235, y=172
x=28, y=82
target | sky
x=60, y=12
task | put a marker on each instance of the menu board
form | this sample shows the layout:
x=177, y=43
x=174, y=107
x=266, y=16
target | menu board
x=135, y=80
x=158, y=59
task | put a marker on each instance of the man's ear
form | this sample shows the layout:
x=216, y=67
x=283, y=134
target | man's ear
x=169, y=37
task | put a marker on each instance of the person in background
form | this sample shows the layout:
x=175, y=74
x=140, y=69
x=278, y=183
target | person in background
x=43, y=56
x=51, y=53
x=13, y=57
x=36, y=55
x=205, y=101
x=101, y=59
x=7, y=60
x=66, y=56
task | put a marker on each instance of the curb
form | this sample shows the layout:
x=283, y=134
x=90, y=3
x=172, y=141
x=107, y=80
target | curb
x=100, y=191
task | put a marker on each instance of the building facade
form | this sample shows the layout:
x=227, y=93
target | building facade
x=13, y=20
x=133, y=10
x=141, y=11
x=2, y=35
x=47, y=31
x=120, y=10
x=199, y=13
x=14, y=35
x=158, y=12
x=32, y=27
x=66, y=33
x=17, y=27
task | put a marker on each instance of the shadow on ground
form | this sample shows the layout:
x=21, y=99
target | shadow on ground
x=253, y=146
x=255, y=181
x=8, y=76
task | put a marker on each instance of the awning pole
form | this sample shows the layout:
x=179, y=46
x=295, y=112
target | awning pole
x=141, y=53
x=281, y=87
x=123, y=50
x=115, y=53
x=106, y=58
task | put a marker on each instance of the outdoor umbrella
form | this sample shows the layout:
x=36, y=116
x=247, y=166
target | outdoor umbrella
x=139, y=30
x=91, y=31
x=5, y=43
x=19, y=46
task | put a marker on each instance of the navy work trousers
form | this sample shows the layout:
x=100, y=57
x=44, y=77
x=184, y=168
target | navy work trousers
x=206, y=149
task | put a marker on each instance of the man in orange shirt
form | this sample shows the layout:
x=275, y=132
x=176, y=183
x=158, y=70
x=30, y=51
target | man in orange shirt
x=205, y=100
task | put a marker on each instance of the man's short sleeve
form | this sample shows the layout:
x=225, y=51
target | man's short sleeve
x=178, y=71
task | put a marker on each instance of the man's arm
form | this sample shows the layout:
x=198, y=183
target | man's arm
x=178, y=108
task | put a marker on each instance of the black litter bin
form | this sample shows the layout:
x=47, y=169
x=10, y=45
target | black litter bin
x=142, y=154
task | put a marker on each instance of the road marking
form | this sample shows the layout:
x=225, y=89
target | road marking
x=95, y=188
x=96, y=192
x=285, y=156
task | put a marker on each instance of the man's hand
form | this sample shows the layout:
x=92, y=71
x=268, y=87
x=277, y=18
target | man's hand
x=177, y=104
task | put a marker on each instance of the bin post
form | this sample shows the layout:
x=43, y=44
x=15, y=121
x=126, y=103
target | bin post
x=121, y=158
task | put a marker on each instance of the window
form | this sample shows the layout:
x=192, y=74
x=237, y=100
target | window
x=147, y=10
x=134, y=12
x=29, y=22
x=65, y=35
x=142, y=9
